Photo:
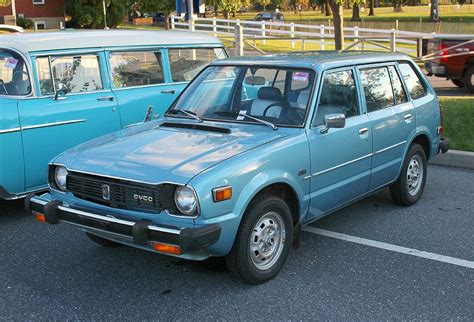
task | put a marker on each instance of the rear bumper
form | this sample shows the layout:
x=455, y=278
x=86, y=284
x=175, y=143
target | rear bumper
x=139, y=233
x=436, y=69
x=443, y=145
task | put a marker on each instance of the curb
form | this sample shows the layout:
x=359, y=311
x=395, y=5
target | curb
x=455, y=159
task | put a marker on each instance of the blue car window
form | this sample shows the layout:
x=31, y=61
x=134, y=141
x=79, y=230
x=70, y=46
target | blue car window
x=338, y=95
x=377, y=88
x=44, y=76
x=400, y=95
x=74, y=74
x=131, y=69
x=185, y=63
x=14, y=78
x=413, y=82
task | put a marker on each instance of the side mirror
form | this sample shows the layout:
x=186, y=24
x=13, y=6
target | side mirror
x=60, y=93
x=333, y=121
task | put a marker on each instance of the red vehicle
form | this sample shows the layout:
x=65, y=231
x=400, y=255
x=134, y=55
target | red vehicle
x=454, y=63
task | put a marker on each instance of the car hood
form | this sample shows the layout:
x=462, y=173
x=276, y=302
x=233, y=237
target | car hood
x=156, y=154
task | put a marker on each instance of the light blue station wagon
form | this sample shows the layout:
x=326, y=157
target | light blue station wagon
x=60, y=89
x=250, y=151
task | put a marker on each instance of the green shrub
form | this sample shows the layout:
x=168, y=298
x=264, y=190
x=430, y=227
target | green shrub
x=25, y=23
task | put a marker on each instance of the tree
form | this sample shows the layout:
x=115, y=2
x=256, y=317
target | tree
x=434, y=11
x=165, y=6
x=356, y=10
x=371, y=11
x=89, y=13
x=397, y=5
x=338, y=17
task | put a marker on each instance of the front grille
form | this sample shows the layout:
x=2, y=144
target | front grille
x=123, y=194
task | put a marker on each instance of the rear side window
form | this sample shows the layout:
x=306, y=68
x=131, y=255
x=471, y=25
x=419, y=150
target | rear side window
x=377, y=88
x=338, y=95
x=185, y=63
x=74, y=74
x=414, y=84
x=400, y=95
x=14, y=79
x=131, y=69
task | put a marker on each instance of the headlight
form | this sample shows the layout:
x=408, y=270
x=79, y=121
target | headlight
x=186, y=200
x=60, y=174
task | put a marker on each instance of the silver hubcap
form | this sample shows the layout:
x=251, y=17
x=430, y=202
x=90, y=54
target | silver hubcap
x=414, y=175
x=267, y=241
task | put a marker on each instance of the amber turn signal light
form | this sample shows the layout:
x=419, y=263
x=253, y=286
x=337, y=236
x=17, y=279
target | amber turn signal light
x=39, y=216
x=168, y=249
x=221, y=194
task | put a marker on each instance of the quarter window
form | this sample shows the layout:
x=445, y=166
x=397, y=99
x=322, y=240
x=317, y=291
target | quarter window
x=400, y=95
x=14, y=79
x=414, y=84
x=73, y=74
x=188, y=62
x=130, y=69
x=338, y=95
x=377, y=88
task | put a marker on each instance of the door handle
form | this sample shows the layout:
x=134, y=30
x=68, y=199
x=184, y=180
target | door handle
x=363, y=130
x=407, y=116
x=106, y=98
x=168, y=91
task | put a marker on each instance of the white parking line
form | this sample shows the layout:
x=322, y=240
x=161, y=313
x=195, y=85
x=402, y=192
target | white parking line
x=390, y=247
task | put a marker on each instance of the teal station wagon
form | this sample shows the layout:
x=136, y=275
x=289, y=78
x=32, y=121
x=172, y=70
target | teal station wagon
x=63, y=88
x=251, y=150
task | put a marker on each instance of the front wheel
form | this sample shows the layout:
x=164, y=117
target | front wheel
x=263, y=241
x=407, y=190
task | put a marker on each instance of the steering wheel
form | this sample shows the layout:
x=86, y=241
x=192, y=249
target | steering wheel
x=292, y=114
x=2, y=87
x=15, y=84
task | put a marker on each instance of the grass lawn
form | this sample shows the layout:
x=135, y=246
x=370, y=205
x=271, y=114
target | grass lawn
x=448, y=13
x=459, y=122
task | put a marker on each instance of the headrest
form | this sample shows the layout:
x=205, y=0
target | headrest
x=269, y=93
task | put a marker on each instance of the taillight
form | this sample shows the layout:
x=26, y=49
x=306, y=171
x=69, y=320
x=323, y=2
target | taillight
x=441, y=47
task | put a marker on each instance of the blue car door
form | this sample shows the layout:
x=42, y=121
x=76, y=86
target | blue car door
x=51, y=125
x=340, y=157
x=392, y=120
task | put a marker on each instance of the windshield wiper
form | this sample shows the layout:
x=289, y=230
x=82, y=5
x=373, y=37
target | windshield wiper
x=242, y=113
x=188, y=113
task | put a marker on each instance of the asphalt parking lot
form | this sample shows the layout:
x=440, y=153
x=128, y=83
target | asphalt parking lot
x=55, y=272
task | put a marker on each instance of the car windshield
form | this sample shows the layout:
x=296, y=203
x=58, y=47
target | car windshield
x=279, y=96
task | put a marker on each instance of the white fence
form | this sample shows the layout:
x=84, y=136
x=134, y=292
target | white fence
x=320, y=37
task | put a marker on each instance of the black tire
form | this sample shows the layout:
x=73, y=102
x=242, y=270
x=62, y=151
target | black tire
x=402, y=192
x=240, y=261
x=458, y=82
x=469, y=79
x=102, y=241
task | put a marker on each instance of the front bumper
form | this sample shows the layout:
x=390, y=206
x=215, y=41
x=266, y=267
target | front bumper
x=140, y=233
x=443, y=145
x=436, y=69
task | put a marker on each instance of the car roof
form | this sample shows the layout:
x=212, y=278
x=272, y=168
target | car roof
x=71, y=39
x=314, y=59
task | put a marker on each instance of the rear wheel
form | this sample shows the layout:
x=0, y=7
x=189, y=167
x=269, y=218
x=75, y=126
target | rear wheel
x=407, y=190
x=458, y=82
x=263, y=241
x=469, y=79
x=102, y=241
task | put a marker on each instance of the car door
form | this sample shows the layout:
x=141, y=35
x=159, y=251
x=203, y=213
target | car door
x=392, y=120
x=51, y=125
x=340, y=158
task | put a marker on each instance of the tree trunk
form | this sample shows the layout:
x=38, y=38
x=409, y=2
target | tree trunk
x=226, y=14
x=355, y=12
x=434, y=12
x=167, y=20
x=371, y=11
x=397, y=5
x=327, y=9
x=338, y=17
